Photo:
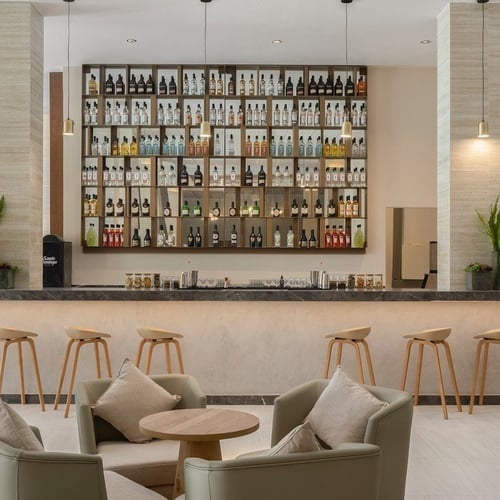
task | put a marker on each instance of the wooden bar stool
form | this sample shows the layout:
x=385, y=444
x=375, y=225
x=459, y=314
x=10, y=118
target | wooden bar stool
x=482, y=350
x=13, y=336
x=157, y=336
x=433, y=338
x=80, y=337
x=354, y=337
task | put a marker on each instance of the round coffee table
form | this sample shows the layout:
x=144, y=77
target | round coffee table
x=199, y=432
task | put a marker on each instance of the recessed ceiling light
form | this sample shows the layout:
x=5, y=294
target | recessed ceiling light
x=131, y=40
x=277, y=42
x=425, y=41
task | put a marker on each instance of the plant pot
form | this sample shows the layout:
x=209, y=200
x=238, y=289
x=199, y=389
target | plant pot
x=479, y=280
x=7, y=278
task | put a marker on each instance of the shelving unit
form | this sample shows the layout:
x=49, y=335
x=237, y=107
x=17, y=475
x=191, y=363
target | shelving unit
x=156, y=174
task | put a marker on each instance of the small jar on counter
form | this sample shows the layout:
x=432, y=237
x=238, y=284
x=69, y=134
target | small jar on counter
x=147, y=281
x=137, y=281
x=129, y=281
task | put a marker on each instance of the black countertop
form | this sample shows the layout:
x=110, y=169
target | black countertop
x=247, y=294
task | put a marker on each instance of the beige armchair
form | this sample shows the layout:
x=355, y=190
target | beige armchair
x=151, y=464
x=352, y=472
x=28, y=475
x=389, y=428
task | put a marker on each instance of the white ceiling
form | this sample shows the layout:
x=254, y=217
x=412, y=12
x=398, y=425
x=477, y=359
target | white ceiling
x=381, y=32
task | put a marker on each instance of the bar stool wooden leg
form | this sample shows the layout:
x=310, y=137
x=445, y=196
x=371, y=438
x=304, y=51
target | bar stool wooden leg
x=73, y=374
x=477, y=362
x=483, y=374
x=358, y=361
x=21, y=370
x=167, y=356
x=106, y=356
x=63, y=372
x=2, y=367
x=406, y=362
x=419, y=372
x=340, y=346
x=139, y=353
x=326, y=369
x=37, y=372
x=368, y=361
x=440, y=377
x=452, y=374
x=150, y=355
x=97, y=359
x=179, y=355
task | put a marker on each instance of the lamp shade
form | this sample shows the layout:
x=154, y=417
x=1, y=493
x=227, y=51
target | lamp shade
x=205, y=129
x=68, y=127
x=346, y=131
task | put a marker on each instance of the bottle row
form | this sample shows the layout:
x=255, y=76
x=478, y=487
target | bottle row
x=235, y=235
x=284, y=113
x=234, y=176
x=272, y=82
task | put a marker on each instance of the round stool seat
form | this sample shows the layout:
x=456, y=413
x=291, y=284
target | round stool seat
x=151, y=333
x=7, y=333
x=77, y=333
x=350, y=334
x=432, y=335
x=489, y=335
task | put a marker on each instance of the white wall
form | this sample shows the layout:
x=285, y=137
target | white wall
x=401, y=172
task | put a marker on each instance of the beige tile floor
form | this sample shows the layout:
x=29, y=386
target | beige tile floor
x=455, y=459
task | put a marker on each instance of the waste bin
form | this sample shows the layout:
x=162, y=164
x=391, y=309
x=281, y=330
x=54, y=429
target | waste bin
x=56, y=261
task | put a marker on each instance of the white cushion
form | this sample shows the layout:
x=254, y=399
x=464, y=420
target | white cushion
x=15, y=432
x=341, y=413
x=120, y=488
x=130, y=397
x=298, y=440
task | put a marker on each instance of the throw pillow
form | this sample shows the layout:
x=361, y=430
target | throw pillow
x=15, y=432
x=130, y=397
x=298, y=440
x=341, y=413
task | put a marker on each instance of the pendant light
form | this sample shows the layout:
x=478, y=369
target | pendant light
x=69, y=124
x=483, y=129
x=346, y=131
x=205, y=125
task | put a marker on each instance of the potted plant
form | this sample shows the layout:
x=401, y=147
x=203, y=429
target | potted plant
x=491, y=227
x=7, y=275
x=479, y=276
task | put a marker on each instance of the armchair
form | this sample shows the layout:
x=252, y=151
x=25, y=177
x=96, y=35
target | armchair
x=389, y=428
x=151, y=464
x=27, y=475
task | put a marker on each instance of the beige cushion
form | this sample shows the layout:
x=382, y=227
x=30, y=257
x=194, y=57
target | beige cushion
x=341, y=413
x=433, y=335
x=15, y=432
x=298, y=440
x=121, y=488
x=130, y=397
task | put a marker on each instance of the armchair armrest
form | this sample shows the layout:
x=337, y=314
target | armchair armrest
x=86, y=430
x=192, y=395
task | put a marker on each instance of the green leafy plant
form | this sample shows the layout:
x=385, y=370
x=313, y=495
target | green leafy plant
x=476, y=267
x=2, y=205
x=491, y=224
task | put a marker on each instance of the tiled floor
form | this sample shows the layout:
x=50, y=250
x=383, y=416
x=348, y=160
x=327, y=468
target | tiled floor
x=455, y=459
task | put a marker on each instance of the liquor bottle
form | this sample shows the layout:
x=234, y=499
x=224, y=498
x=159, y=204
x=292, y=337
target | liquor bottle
x=272, y=147
x=197, y=238
x=147, y=239
x=341, y=206
x=335, y=237
x=359, y=237
x=318, y=149
x=304, y=209
x=125, y=147
x=277, y=180
x=93, y=89
x=355, y=181
x=255, y=211
x=232, y=210
x=277, y=237
x=355, y=116
x=331, y=209
x=259, y=239
x=290, y=238
x=316, y=115
x=345, y=114
x=281, y=147
x=270, y=85
x=134, y=208
x=342, y=148
x=216, y=210
x=277, y=116
x=339, y=87
x=234, y=237
x=240, y=116
x=167, y=211
x=300, y=87
x=251, y=85
x=177, y=115
x=329, y=116
x=312, y=240
x=261, y=177
x=242, y=85
x=145, y=208
x=318, y=209
x=361, y=86
x=105, y=236
x=334, y=149
x=188, y=116
x=230, y=116
x=354, y=148
x=280, y=86
x=221, y=115
x=172, y=86
x=110, y=85
x=309, y=147
x=287, y=177
x=220, y=85
x=313, y=86
x=349, y=86
x=136, y=239
x=144, y=117
x=256, y=115
x=198, y=146
x=233, y=181
x=212, y=85
x=245, y=209
x=309, y=116
x=289, y=87
x=303, y=239
x=342, y=240
x=197, y=209
x=362, y=148
x=326, y=149
x=110, y=208
x=362, y=177
x=230, y=145
x=201, y=85
x=185, y=211
x=252, y=239
x=190, y=238
x=193, y=85
x=215, y=236
x=162, y=86
x=302, y=146
x=362, y=115
x=149, y=145
x=116, y=114
x=171, y=236
x=276, y=212
x=285, y=116
x=262, y=86
x=231, y=87
x=329, y=86
x=294, y=115
x=355, y=206
x=141, y=85
x=181, y=149
x=341, y=177
x=328, y=237
x=289, y=147
x=321, y=86
x=119, y=86
x=150, y=85
x=198, y=176
x=295, y=209
x=248, y=177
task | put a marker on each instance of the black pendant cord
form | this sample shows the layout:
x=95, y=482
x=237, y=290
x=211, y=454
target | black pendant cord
x=205, y=51
x=482, y=62
x=346, y=60
x=69, y=34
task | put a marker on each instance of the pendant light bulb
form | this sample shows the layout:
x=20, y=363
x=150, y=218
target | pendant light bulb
x=68, y=124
